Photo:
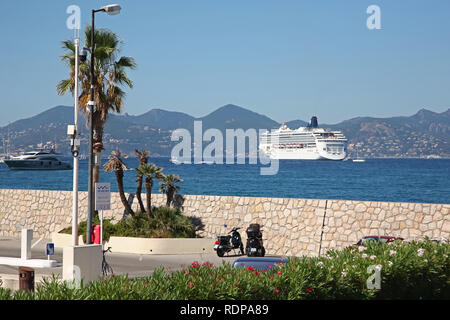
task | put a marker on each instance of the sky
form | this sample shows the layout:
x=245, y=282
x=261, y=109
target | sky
x=284, y=59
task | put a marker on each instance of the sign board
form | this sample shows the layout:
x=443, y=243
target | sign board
x=50, y=249
x=102, y=196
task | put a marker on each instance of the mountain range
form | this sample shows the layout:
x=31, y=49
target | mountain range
x=424, y=134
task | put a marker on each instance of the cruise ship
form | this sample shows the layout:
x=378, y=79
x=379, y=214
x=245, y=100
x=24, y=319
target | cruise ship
x=37, y=160
x=304, y=143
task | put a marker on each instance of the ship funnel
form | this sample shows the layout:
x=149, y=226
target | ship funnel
x=314, y=123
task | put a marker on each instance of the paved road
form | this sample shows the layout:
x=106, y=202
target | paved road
x=135, y=265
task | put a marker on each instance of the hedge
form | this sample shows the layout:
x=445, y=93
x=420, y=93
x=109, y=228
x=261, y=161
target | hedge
x=416, y=270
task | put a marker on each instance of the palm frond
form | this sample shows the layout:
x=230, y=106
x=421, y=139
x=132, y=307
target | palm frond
x=65, y=85
x=115, y=162
x=126, y=62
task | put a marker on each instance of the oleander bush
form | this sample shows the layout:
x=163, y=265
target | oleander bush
x=416, y=270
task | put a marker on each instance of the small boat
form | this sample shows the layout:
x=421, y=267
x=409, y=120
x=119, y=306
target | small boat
x=358, y=159
x=175, y=160
x=37, y=160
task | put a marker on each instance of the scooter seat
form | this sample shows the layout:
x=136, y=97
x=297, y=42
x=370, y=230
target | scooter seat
x=224, y=238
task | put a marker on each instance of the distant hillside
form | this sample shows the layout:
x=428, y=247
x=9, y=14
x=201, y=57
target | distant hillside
x=234, y=117
x=166, y=120
x=424, y=134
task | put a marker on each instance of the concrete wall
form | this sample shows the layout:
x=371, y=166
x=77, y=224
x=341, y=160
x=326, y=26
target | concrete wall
x=291, y=226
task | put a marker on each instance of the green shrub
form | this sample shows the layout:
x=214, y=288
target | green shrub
x=166, y=223
x=417, y=270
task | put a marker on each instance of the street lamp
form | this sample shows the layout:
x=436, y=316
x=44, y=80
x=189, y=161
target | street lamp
x=111, y=9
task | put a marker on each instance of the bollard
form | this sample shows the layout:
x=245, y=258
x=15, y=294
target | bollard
x=26, y=279
x=25, y=247
x=96, y=233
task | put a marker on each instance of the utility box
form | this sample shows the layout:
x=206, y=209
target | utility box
x=82, y=263
x=26, y=279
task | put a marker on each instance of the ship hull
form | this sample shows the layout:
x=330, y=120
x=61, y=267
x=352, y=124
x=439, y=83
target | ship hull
x=313, y=155
x=303, y=154
x=37, y=165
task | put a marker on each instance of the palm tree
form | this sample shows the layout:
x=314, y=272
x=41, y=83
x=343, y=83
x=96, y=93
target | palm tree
x=143, y=159
x=110, y=76
x=168, y=187
x=150, y=172
x=116, y=164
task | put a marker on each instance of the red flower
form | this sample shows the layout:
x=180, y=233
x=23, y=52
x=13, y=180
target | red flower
x=308, y=289
x=279, y=273
x=207, y=264
x=275, y=290
x=256, y=273
x=187, y=271
x=250, y=268
x=191, y=284
x=195, y=264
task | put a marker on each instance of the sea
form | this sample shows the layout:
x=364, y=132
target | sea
x=398, y=180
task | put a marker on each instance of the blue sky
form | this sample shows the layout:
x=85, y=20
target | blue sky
x=285, y=59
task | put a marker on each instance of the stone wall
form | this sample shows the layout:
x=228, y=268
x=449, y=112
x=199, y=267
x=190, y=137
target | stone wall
x=292, y=227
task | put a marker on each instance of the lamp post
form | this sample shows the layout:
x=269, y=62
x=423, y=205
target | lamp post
x=111, y=9
x=75, y=158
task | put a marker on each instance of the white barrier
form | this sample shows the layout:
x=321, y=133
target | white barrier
x=25, y=259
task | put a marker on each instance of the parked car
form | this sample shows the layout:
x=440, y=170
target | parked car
x=259, y=263
x=379, y=239
x=440, y=240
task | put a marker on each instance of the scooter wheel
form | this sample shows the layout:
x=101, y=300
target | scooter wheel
x=263, y=252
x=220, y=252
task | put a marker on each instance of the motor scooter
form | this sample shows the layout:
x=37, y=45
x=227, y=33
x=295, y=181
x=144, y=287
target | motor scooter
x=254, y=246
x=225, y=244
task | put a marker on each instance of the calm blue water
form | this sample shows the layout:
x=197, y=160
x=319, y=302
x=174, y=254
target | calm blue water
x=405, y=180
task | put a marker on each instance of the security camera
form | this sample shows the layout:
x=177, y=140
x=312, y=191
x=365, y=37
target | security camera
x=83, y=54
x=75, y=153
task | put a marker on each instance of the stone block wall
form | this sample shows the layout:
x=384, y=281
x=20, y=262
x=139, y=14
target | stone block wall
x=292, y=227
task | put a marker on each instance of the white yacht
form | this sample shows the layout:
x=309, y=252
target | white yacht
x=37, y=160
x=304, y=143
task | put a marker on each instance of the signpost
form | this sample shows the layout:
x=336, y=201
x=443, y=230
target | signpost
x=102, y=202
x=50, y=250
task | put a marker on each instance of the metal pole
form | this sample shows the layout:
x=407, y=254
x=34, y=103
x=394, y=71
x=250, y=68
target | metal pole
x=75, y=159
x=91, y=153
x=101, y=228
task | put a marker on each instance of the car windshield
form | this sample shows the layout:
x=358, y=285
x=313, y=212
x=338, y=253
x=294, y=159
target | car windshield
x=258, y=265
x=369, y=239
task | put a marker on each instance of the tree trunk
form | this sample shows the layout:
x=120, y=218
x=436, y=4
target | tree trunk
x=138, y=194
x=97, y=147
x=148, y=188
x=123, y=198
x=170, y=193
